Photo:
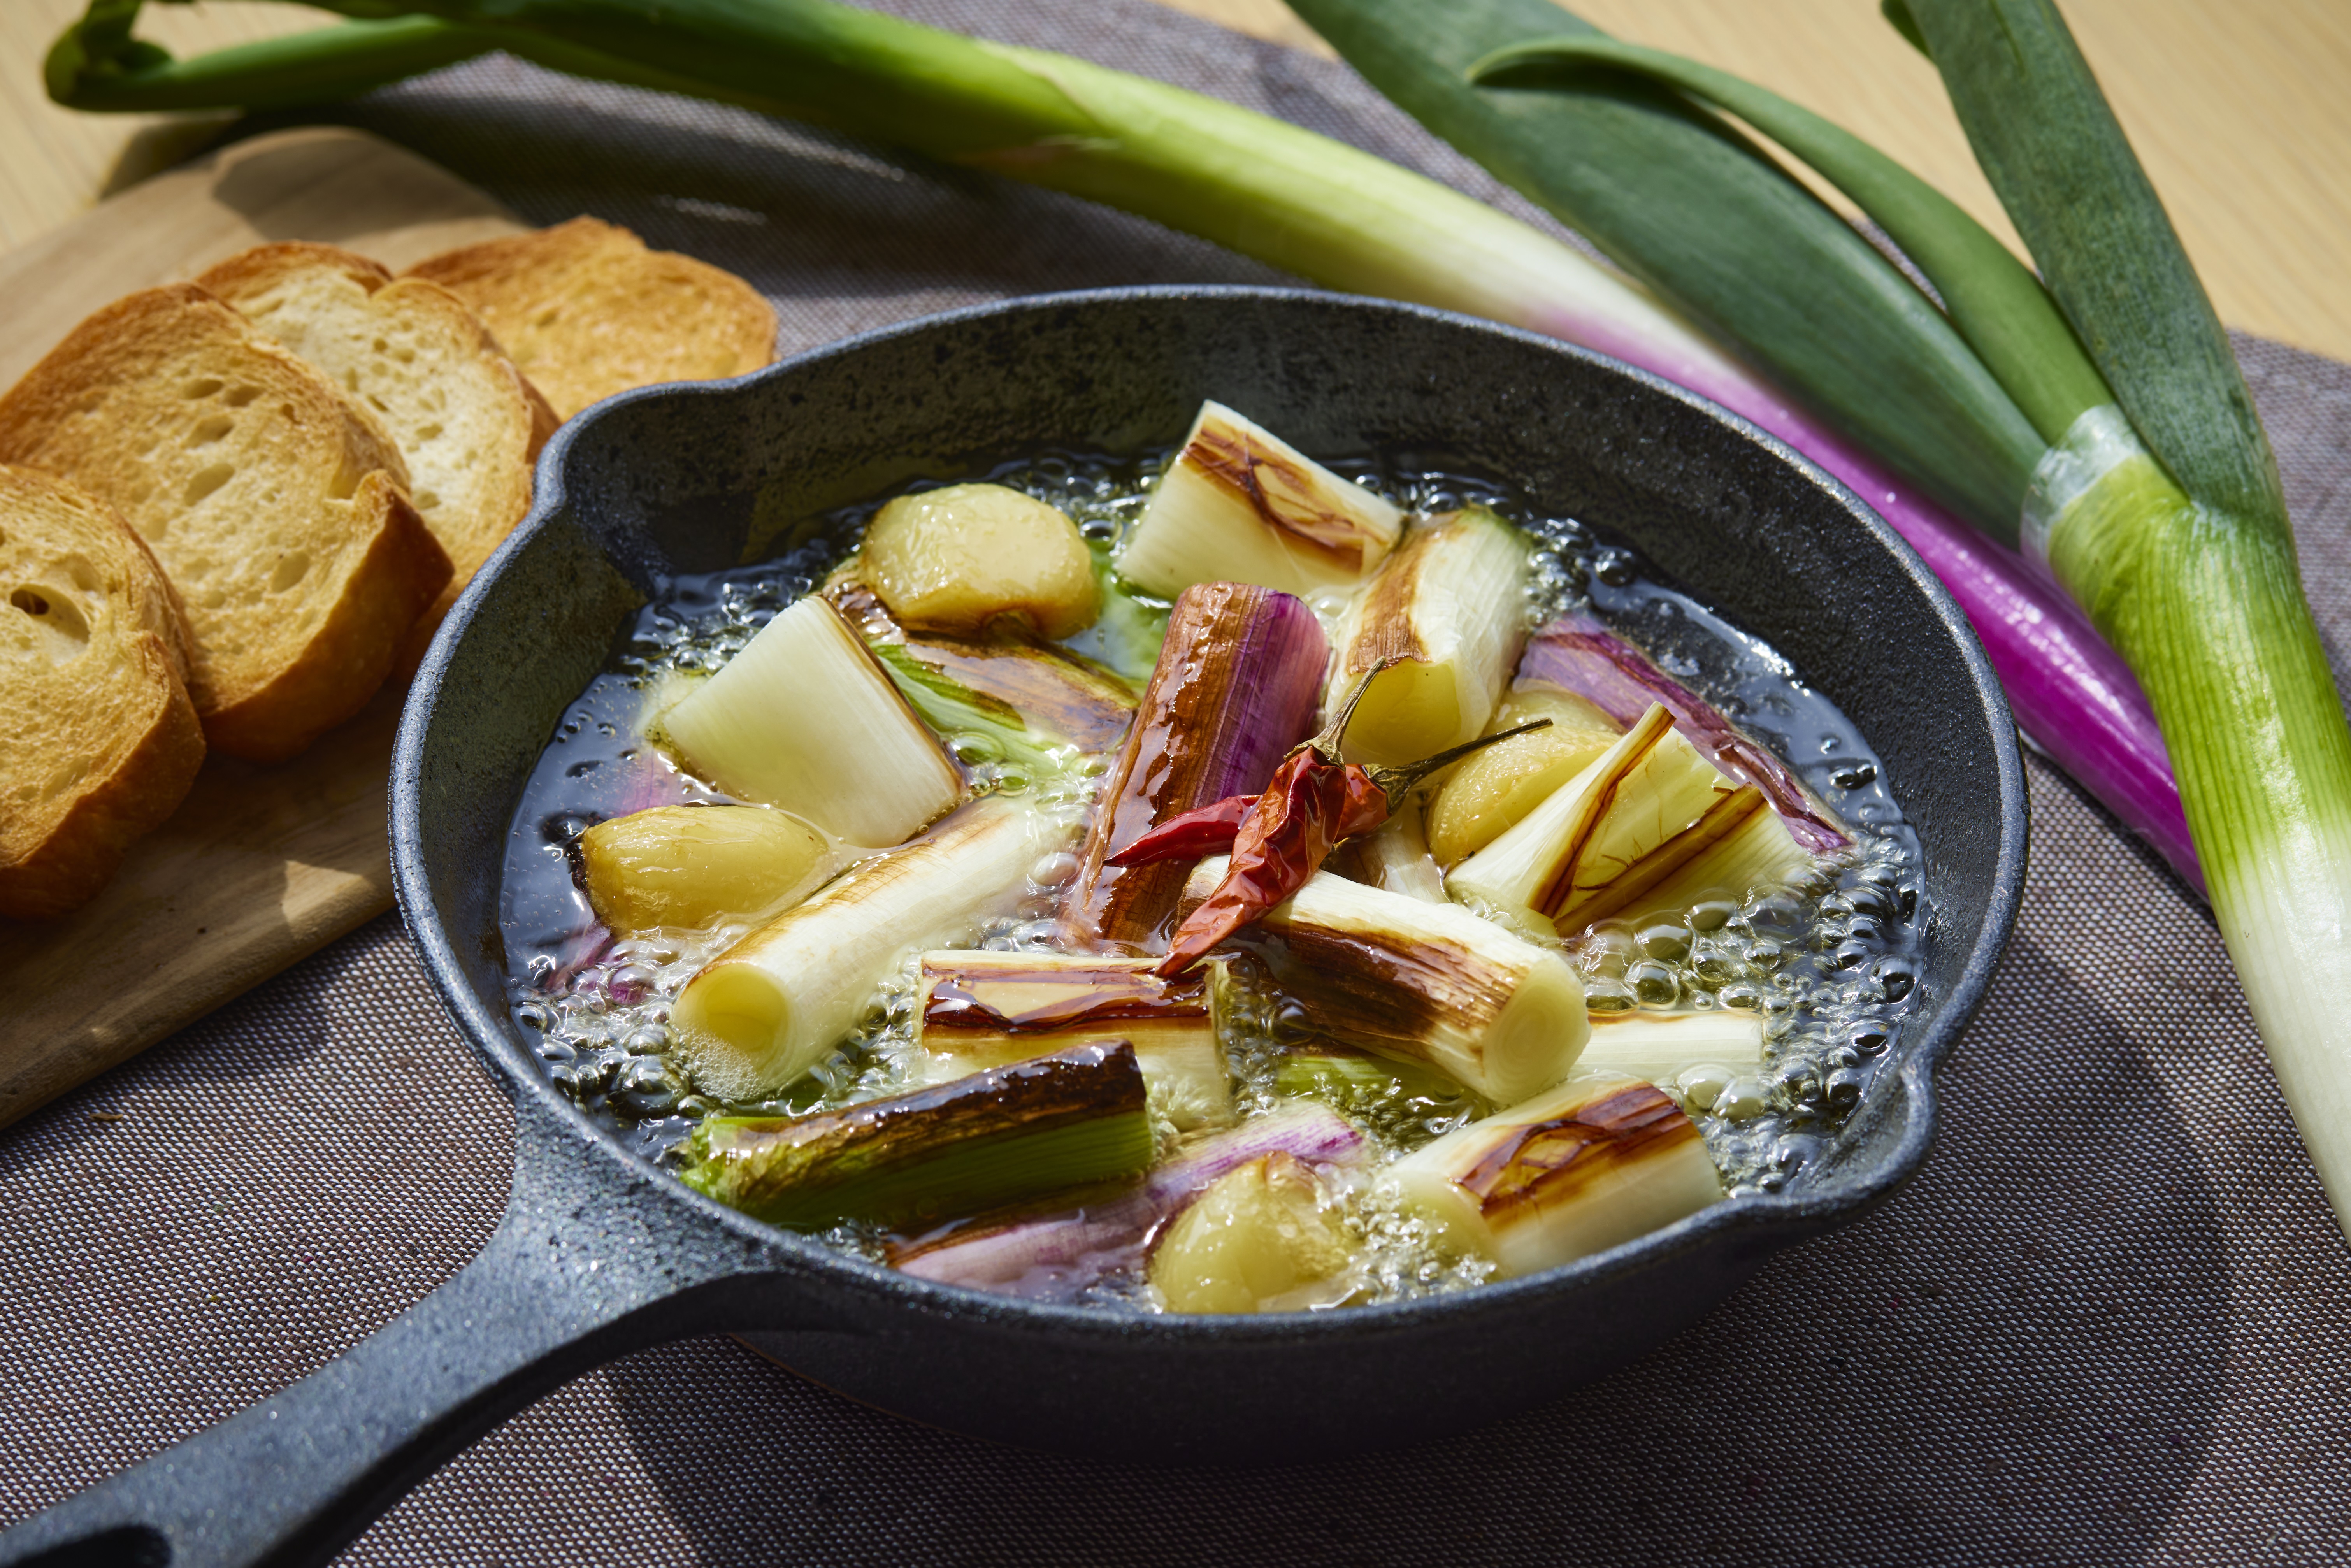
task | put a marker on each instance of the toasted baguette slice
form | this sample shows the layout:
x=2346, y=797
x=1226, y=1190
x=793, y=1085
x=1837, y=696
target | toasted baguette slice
x=98, y=741
x=275, y=508
x=416, y=357
x=587, y=310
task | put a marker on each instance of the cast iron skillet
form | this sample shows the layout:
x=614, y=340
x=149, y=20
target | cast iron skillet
x=598, y=1253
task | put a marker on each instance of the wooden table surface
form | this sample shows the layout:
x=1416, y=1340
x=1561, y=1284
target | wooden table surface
x=2240, y=109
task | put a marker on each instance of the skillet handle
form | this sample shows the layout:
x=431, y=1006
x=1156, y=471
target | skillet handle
x=571, y=1278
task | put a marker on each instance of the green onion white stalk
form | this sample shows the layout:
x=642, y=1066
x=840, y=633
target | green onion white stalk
x=980, y=1010
x=1394, y=856
x=1641, y=811
x=1450, y=605
x=1699, y=1056
x=1073, y=1118
x=803, y=717
x=1427, y=983
x=1041, y=690
x=1241, y=504
x=779, y=1002
x=1596, y=1162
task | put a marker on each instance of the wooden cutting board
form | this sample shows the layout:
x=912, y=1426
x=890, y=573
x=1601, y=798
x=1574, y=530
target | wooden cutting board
x=260, y=865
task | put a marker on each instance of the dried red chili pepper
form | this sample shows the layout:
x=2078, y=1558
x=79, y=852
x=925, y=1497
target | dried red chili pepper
x=1189, y=835
x=1315, y=800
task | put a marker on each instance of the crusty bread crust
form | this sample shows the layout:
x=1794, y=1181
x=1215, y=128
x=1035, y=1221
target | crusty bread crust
x=98, y=740
x=586, y=310
x=418, y=360
x=275, y=508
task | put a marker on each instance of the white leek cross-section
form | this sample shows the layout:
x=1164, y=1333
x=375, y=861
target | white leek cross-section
x=1661, y=1047
x=1423, y=982
x=980, y=1009
x=803, y=717
x=1449, y=606
x=1647, y=810
x=1596, y=1162
x=779, y=1002
x=1240, y=504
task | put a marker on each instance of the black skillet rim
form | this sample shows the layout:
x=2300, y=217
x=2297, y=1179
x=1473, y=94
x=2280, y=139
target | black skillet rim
x=1752, y=1220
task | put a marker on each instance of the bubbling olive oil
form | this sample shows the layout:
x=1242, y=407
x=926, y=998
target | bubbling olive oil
x=1831, y=968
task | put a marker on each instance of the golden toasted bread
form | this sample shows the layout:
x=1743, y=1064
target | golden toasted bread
x=587, y=310
x=98, y=741
x=276, y=508
x=417, y=358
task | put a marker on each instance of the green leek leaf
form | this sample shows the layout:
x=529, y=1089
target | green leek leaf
x=2052, y=150
x=1994, y=300
x=1679, y=199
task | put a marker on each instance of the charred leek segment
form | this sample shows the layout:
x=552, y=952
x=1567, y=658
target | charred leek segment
x=1008, y=677
x=1579, y=654
x=1595, y=1162
x=1643, y=810
x=1422, y=982
x=701, y=866
x=964, y=558
x=1240, y=504
x=1073, y=1118
x=980, y=1009
x=772, y=1005
x=1754, y=853
x=1696, y=1055
x=805, y=718
x=1498, y=787
x=1263, y=1239
x=1235, y=687
x=1394, y=856
x=979, y=726
x=1351, y=1079
x=1055, y=1256
x=1446, y=615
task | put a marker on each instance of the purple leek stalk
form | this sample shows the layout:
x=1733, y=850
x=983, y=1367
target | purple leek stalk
x=1331, y=213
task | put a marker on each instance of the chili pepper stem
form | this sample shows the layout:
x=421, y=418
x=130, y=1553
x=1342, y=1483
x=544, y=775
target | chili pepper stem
x=1395, y=783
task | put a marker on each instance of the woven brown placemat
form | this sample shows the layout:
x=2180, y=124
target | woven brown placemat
x=2106, y=1324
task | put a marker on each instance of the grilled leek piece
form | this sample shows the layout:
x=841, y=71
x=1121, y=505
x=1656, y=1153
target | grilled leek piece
x=1240, y=504
x=701, y=866
x=777, y=1002
x=1394, y=856
x=1596, y=1162
x=1429, y=983
x=1235, y=689
x=1640, y=811
x=1493, y=790
x=982, y=1010
x=1073, y=1118
x=1757, y=853
x=1262, y=1237
x=1696, y=1055
x=1449, y=606
x=804, y=718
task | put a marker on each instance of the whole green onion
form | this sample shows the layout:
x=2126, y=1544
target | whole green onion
x=2182, y=555
x=2200, y=591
